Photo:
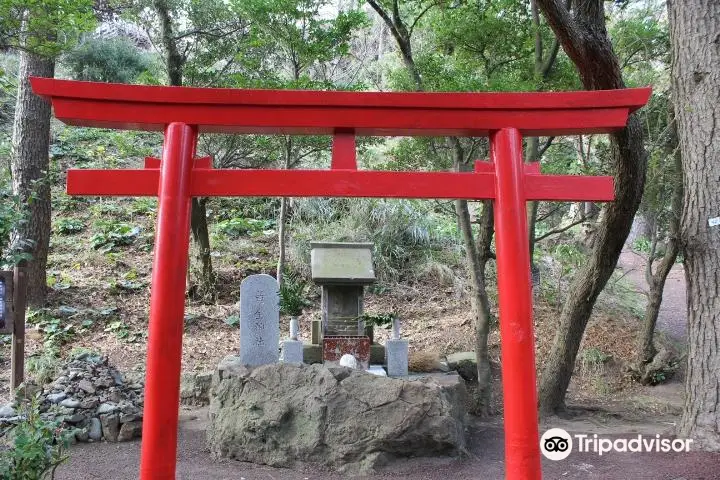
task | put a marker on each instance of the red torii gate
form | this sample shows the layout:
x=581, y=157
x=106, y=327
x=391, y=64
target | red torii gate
x=182, y=113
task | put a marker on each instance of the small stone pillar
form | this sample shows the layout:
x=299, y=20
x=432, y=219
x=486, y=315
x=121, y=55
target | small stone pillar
x=292, y=350
x=396, y=352
x=316, y=332
x=293, y=329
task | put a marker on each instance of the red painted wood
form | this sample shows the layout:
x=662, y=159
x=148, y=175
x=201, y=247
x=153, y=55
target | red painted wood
x=338, y=183
x=489, y=167
x=315, y=112
x=517, y=354
x=200, y=162
x=152, y=162
x=167, y=305
x=55, y=88
x=344, y=155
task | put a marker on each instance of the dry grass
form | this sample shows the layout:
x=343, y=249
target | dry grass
x=423, y=362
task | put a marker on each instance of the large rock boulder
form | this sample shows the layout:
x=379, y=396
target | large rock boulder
x=465, y=363
x=284, y=415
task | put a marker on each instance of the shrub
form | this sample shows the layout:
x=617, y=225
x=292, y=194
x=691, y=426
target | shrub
x=113, y=234
x=12, y=215
x=405, y=232
x=107, y=60
x=34, y=448
x=69, y=226
x=292, y=295
x=237, y=227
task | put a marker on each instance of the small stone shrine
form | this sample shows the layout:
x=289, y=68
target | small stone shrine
x=342, y=270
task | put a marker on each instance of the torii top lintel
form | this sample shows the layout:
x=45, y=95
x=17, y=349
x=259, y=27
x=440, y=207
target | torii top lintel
x=219, y=110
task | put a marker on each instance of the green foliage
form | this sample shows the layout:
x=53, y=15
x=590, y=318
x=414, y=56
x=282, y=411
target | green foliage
x=383, y=320
x=34, y=447
x=237, y=227
x=298, y=35
x=55, y=329
x=46, y=27
x=641, y=244
x=143, y=206
x=58, y=280
x=69, y=226
x=113, y=234
x=593, y=360
x=13, y=213
x=404, y=231
x=43, y=366
x=293, y=295
x=119, y=328
x=114, y=60
x=569, y=256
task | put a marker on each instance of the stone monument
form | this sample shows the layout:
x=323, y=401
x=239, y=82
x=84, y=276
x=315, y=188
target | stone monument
x=259, y=320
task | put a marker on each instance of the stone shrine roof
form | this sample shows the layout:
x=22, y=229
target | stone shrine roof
x=342, y=263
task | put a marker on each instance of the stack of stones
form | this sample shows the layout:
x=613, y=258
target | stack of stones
x=94, y=398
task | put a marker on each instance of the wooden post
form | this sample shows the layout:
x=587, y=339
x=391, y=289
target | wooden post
x=17, y=362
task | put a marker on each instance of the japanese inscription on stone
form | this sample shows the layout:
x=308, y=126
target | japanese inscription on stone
x=259, y=320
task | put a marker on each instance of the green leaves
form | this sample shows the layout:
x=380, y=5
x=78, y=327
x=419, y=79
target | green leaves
x=107, y=60
x=112, y=235
x=34, y=447
x=45, y=27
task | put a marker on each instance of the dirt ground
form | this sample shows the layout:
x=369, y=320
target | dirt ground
x=110, y=461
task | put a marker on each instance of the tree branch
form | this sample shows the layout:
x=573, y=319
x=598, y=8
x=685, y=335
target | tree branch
x=561, y=229
x=417, y=19
x=544, y=148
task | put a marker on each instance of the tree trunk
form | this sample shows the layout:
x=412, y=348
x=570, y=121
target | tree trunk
x=282, y=237
x=174, y=62
x=695, y=33
x=646, y=351
x=477, y=256
x=477, y=253
x=584, y=38
x=282, y=217
x=198, y=224
x=30, y=165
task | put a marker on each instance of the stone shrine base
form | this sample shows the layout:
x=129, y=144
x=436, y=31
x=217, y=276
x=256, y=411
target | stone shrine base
x=286, y=415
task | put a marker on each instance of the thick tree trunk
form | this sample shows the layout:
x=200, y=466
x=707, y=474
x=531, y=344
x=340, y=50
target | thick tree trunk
x=174, y=62
x=30, y=164
x=695, y=32
x=584, y=38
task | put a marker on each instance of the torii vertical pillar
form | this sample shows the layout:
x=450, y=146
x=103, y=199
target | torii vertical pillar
x=522, y=452
x=167, y=305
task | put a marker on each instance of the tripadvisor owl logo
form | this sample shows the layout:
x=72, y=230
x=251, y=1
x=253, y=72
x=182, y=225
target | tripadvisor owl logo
x=556, y=444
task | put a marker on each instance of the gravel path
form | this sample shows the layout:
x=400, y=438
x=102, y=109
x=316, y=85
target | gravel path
x=120, y=461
